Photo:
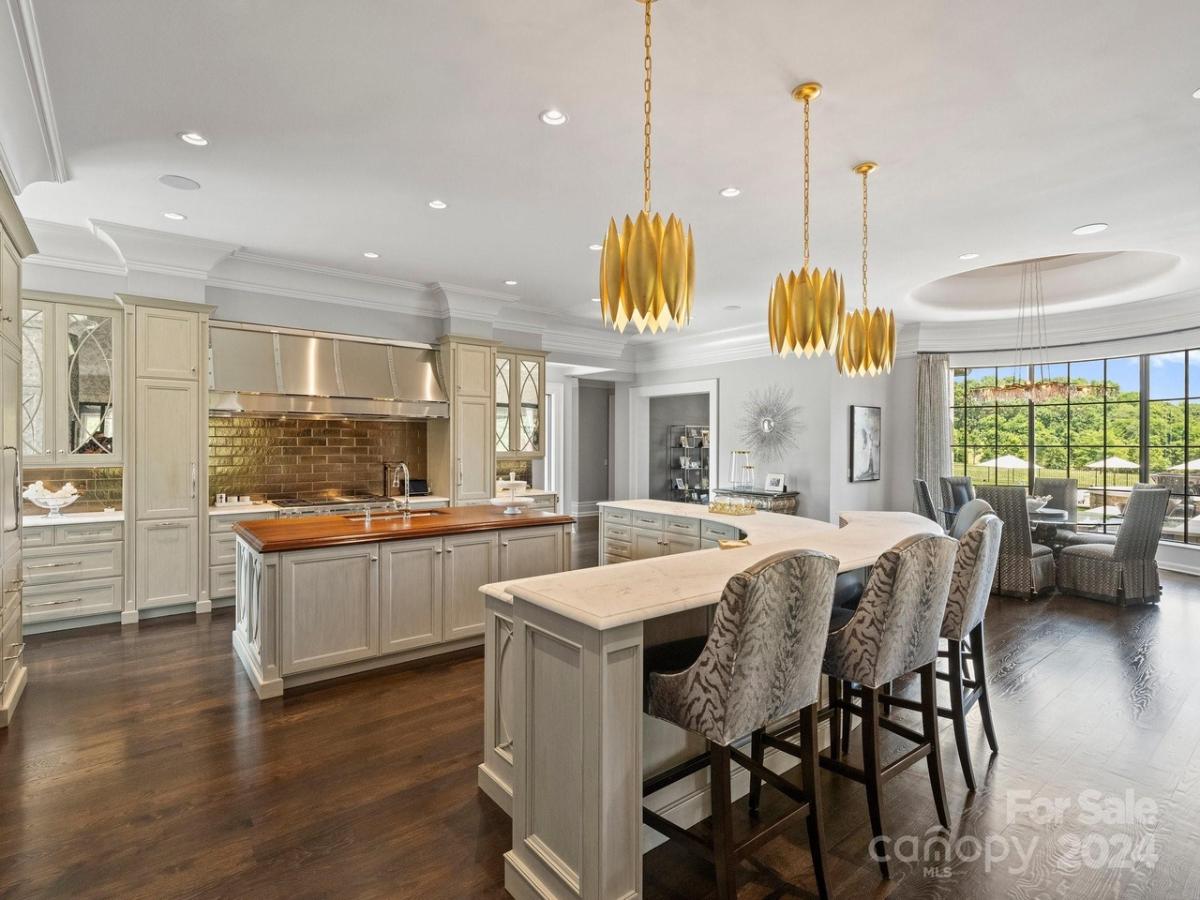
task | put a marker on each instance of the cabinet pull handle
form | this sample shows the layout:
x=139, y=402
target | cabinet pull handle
x=163, y=524
x=8, y=318
x=438, y=552
x=504, y=543
x=449, y=549
x=460, y=471
x=193, y=474
x=16, y=489
x=54, y=602
x=56, y=565
x=20, y=649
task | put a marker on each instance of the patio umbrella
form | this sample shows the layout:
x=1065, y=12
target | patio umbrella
x=1194, y=465
x=1008, y=461
x=1116, y=463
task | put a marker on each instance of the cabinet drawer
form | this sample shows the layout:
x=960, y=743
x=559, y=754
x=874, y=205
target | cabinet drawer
x=224, y=524
x=37, y=537
x=680, y=543
x=651, y=521
x=611, y=560
x=622, y=549
x=718, y=531
x=69, y=601
x=53, y=564
x=222, y=581
x=620, y=516
x=221, y=548
x=681, y=525
x=13, y=647
x=87, y=533
x=708, y=544
x=620, y=532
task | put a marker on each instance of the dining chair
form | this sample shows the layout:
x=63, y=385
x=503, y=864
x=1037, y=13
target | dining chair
x=925, y=500
x=1126, y=571
x=956, y=491
x=972, y=511
x=1025, y=569
x=893, y=632
x=1064, y=495
x=761, y=664
x=1096, y=537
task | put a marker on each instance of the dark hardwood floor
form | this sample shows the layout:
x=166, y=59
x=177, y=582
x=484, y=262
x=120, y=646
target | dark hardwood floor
x=142, y=765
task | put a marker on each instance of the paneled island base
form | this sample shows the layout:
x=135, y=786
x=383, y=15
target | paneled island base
x=567, y=744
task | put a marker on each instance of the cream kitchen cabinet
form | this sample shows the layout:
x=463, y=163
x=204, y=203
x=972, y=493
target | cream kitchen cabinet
x=632, y=534
x=462, y=450
x=410, y=601
x=520, y=405
x=71, y=382
x=168, y=569
x=329, y=607
x=10, y=291
x=168, y=466
x=476, y=468
x=527, y=552
x=470, y=561
x=168, y=343
x=472, y=370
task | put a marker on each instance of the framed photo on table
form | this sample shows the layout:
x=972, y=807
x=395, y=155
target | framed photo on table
x=774, y=484
x=866, y=436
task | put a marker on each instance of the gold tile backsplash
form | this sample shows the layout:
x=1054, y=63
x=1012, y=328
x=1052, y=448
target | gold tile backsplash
x=98, y=488
x=270, y=459
x=523, y=468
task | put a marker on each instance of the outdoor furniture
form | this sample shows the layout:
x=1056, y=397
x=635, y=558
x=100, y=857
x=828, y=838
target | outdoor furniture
x=971, y=512
x=1123, y=572
x=760, y=663
x=893, y=632
x=1025, y=569
x=924, y=499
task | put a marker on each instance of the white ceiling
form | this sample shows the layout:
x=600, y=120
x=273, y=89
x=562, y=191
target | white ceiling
x=998, y=127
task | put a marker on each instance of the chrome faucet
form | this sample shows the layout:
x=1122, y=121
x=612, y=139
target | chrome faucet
x=396, y=483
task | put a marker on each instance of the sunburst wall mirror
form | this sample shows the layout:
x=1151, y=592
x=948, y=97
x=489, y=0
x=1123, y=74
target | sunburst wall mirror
x=771, y=423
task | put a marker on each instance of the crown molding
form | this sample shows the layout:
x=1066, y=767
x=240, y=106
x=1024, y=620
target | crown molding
x=458, y=302
x=161, y=253
x=729, y=345
x=75, y=265
x=29, y=46
x=279, y=262
x=423, y=306
x=7, y=175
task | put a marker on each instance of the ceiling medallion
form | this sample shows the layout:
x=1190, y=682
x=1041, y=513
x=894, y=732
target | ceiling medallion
x=648, y=269
x=805, y=310
x=867, y=345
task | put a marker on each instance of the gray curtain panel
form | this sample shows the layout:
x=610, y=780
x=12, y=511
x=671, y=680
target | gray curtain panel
x=934, y=456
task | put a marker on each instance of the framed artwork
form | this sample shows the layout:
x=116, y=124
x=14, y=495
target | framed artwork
x=866, y=436
x=774, y=484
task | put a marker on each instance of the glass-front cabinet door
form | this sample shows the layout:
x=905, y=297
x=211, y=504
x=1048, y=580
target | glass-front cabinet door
x=71, y=385
x=520, y=405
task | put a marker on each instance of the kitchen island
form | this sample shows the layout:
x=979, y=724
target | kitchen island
x=565, y=742
x=320, y=597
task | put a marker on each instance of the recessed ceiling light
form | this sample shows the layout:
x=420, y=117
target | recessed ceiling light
x=370, y=254
x=595, y=247
x=554, y=117
x=969, y=256
x=511, y=283
x=1094, y=228
x=733, y=307
x=1196, y=94
x=730, y=191
x=194, y=138
x=179, y=182
x=437, y=204
x=595, y=299
x=174, y=216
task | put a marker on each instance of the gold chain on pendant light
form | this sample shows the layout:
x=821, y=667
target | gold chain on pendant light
x=805, y=310
x=868, y=340
x=647, y=269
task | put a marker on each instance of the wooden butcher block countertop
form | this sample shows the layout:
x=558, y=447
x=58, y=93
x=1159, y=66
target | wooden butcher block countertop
x=307, y=532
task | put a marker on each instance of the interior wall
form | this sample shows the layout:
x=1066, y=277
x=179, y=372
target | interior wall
x=845, y=495
x=683, y=409
x=593, y=444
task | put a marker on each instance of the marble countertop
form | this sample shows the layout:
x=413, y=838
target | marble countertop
x=623, y=593
x=233, y=509
x=67, y=518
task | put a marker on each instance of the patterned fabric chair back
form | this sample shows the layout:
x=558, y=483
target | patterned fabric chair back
x=1142, y=527
x=924, y=499
x=1009, y=503
x=762, y=659
x=974, y=569
x=1063, y=492
x=956, y=490
x=968, y=515
x=896, y=626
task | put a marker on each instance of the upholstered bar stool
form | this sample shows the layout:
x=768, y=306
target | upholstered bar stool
x=894, y=631
x=962, y=629
x=761, y=663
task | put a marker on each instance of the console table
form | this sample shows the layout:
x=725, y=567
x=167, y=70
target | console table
x=784, y=502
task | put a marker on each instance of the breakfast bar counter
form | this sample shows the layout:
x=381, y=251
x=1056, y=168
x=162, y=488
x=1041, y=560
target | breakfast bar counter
x=566, y=744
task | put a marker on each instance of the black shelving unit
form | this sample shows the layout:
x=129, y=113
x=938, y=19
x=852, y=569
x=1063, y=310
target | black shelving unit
x=688, y=469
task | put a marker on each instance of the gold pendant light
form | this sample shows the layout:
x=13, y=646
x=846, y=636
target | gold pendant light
x=648, y=269
x=806, y=309
x=868, y=341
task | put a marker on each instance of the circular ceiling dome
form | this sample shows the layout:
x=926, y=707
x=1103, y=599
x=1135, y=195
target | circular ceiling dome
x=1073, y=280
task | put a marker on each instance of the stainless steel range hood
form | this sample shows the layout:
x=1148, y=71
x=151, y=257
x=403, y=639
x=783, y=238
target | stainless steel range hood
x=273, y=372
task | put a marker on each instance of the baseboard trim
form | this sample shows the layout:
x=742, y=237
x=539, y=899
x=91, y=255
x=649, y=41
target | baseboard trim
x=497, y=791
x=586, y=509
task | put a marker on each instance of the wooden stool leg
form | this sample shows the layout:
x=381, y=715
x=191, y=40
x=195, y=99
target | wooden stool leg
x=887, y=689
x=871, y=773
x=812, y=787
x=847, y=721
x=959, y=714
x=722, y=824
x=756, y=754
x=929, y=716
x=985, y=703
x=835, y=720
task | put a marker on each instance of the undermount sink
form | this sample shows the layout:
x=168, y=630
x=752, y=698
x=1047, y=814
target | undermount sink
x=392, y=514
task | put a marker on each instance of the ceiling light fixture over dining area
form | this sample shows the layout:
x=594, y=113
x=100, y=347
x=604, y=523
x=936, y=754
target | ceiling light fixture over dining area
x=867, y=342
